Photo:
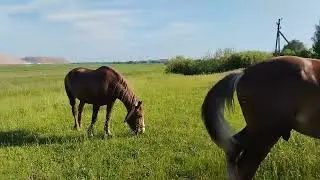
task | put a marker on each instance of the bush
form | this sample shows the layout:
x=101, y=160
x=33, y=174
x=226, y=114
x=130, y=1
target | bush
x=288, y=52
x=225, y=61
x=306, y=53
x=179, y=64
x=219, y=53
x=245, y=59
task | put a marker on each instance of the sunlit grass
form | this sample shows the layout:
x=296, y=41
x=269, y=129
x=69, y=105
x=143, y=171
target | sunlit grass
x=38, y=141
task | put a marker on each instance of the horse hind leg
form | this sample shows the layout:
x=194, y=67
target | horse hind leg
x=80, y=109
x=239, y=144
x=247, y=159
x=95, y=110
x=72, y=102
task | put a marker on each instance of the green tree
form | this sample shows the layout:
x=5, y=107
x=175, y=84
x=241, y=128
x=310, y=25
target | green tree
x=294, y=47
x=307, y=53
x=288, y=52
x=316, y=41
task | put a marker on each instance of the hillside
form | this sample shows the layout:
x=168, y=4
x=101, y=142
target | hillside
x=44, y=60
x=8, y=59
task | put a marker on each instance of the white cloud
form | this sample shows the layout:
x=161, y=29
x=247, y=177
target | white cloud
x=103, y=26
x=173, y=30
x=31, y=6
x=86, y=14
x=105, y=30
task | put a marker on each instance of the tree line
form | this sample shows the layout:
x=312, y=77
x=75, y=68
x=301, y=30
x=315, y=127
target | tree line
x=228, y=59
x=297, y=48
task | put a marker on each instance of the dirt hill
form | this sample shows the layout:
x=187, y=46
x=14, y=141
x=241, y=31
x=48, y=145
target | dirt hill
x=7, y=59
x=44, y=60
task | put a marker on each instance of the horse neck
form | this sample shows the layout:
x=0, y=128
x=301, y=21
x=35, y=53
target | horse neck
x=126, y=96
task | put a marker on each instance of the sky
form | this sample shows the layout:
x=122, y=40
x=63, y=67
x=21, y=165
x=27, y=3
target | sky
x=120, y=30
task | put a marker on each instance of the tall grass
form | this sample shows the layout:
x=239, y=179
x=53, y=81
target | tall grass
x=37, y=140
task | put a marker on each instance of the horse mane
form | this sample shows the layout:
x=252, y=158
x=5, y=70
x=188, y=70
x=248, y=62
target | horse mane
x=121, y=87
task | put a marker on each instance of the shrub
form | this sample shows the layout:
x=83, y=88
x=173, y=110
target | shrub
x=288, y=52
x=307, y=53
x=222, y=61
x=245, y=59
x=179, y=65
x=293, y=48
x=219, y=54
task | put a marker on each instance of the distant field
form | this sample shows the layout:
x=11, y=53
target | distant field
x=37, y=140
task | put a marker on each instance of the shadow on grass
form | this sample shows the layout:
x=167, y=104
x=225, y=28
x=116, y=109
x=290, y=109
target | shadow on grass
x=24, y=137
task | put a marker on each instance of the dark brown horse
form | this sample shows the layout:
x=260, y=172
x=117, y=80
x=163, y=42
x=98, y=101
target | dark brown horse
x=102, y=87
x=275, y=96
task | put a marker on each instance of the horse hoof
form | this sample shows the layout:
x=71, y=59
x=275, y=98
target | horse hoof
x=78, y=128
x=107, y=136
x=90, y=134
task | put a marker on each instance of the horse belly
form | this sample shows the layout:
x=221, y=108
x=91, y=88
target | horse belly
x=91, y=96
x=308, y=120
x=99, y=99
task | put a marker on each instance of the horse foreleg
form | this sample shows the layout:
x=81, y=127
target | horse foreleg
x=107, y=132
x=95, y=109
x=80, y=108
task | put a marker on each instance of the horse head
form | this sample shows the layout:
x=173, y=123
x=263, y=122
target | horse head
x=135, y=118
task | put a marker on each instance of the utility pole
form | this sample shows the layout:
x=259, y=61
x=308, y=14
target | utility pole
x=277, y=48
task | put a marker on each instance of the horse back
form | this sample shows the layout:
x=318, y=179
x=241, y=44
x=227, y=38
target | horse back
x=89, y=85
x=109, y=73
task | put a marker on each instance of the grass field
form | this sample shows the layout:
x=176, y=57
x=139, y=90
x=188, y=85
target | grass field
x=38, y=141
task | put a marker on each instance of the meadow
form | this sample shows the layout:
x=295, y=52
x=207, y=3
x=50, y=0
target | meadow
x=37, y=139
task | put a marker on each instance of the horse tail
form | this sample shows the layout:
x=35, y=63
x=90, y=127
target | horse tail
x=219, y=95
x=72, y=98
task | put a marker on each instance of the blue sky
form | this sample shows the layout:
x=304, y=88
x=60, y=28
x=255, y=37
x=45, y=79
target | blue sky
x=91, y=30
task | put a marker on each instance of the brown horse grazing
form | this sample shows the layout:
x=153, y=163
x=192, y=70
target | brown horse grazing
x=275, y=97
x=102, y=87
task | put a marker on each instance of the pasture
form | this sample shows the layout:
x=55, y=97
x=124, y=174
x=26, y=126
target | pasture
x=37, y=139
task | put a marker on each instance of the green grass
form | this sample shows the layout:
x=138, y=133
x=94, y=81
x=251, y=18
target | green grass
x=37, y=140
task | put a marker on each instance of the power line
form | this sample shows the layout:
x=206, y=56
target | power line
x=279, y=33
